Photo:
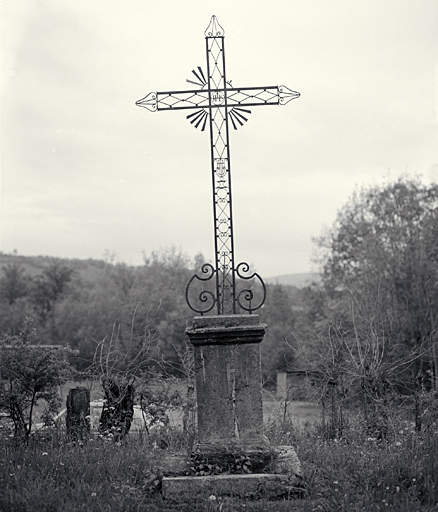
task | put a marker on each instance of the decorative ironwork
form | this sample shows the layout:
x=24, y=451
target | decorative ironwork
x=201, y=81
x=242, y=96
x=206, y=297
x=247, y=294
x=247, y=299
x=217, y=102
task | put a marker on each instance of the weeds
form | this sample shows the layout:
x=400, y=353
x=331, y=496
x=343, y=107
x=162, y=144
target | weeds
x=355, y=472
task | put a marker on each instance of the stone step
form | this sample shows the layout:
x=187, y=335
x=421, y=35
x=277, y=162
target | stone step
x=253, y=486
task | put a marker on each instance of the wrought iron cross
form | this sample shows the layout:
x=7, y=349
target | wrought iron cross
x=217, y=102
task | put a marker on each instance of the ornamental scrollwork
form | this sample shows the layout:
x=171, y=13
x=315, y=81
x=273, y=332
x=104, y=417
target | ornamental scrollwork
x=205, y=296
x=245, y=297
x=250, y=298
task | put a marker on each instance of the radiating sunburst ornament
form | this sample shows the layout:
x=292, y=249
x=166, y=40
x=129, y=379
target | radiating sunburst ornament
x=237, y=115
x=201, y=81
x=199, y=118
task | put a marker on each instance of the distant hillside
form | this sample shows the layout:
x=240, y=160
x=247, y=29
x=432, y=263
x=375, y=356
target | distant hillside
x=297, y=280
x=33, y=265
x=92, y=269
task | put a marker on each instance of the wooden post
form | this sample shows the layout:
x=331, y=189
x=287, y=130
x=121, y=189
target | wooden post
x=78, y=413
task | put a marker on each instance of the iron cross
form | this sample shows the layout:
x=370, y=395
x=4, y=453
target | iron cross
x=220, y=104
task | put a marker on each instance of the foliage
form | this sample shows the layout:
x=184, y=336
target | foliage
x=384, y=248
x=278, y=314
x=132, y=372
x=49, y=287
x=157, y=396
x=29, y=374
x=118, y=362
x=237, y=465
x=118, y=409
x=13, y=284
x=359, y=472
x=75, y=302
x=356, y=362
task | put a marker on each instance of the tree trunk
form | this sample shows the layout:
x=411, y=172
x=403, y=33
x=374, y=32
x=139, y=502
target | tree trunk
x=118, y=410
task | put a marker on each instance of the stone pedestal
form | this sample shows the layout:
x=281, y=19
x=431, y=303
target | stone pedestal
x=231, y=444
x=228, y=383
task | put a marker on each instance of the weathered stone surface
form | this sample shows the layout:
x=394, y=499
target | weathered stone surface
x=268, y=486
x=172, y=463
x=229, y=398
x=78, y=413
x=286, y=461
x=228, y=381
x=275, y=474
x=230, y=417
x=224, y=321
x=220, y=330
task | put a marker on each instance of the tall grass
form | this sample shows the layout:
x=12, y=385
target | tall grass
x=356, y=472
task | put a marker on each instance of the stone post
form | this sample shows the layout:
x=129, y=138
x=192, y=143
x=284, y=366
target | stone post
x=78, y=413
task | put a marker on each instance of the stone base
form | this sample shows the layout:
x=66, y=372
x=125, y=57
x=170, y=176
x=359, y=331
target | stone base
x=254, y=486
x=275, y=474
x=286, y=461
x=259, y=459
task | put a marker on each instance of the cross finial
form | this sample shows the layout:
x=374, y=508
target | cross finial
x=214, y=29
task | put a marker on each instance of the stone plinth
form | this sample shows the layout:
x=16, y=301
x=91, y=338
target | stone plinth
x=228, y=383
x=280, y=479
x=230, y=419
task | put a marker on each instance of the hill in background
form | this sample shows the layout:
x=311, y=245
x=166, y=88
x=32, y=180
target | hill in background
x=91, y=269
x=298, y=280
x=33, y=265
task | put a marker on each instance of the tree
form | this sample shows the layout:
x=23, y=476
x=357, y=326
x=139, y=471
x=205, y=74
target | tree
x=13, y=283
x=15, y=303
x=78, y=304
x=29, y=374
x=278, y=315
x=384, y=248
x=49, y=287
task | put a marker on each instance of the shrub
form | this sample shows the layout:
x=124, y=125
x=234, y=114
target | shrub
x=30, y=373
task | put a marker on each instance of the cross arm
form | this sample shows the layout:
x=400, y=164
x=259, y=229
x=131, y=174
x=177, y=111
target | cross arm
x=253, y=96
x=174, y=100
x=196, y=99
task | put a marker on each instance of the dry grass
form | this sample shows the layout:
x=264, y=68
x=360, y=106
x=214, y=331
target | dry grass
x=354, y=473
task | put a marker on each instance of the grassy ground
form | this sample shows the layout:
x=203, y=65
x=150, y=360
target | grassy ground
x=354, y=473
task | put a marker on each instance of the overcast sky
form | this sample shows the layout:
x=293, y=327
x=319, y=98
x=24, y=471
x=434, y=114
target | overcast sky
x=86, y=172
